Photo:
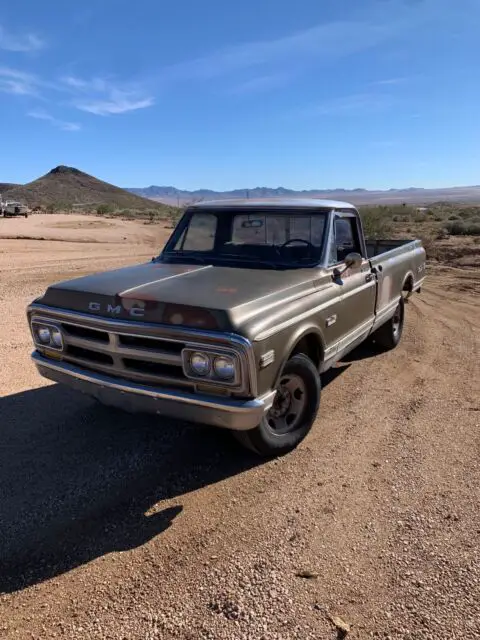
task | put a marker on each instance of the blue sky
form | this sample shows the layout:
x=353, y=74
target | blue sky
x=304, y=94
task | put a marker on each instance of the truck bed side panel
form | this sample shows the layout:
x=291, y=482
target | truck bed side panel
x=399, y=269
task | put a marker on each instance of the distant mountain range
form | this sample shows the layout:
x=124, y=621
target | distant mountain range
x=412, y=195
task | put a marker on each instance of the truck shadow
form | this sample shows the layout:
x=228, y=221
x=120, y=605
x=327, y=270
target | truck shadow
x=76, y=480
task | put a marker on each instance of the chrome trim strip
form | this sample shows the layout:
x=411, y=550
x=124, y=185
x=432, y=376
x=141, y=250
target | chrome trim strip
x=180, y=334
x=388, y=307
x=175, y=275
x=226, y=404
x=264, y=335
x=350, y=337
x=419, y=283
x=353, y=292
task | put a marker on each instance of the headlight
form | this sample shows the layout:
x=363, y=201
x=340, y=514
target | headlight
x=200, y=364
x=47, y=335
x=212, y=366
x=224, y=367
x=43, y=334
x=56, y=338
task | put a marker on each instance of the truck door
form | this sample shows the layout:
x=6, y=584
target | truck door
x=355, y=286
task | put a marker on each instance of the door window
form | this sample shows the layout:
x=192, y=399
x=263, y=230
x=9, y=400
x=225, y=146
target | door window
x=344, y=241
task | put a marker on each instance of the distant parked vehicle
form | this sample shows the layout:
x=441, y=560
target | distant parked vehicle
x=10, y=209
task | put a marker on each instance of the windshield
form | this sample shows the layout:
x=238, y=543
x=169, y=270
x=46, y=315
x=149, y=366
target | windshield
x=259, y=239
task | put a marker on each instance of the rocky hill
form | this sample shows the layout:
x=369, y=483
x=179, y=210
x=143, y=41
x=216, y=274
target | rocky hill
x=66, y=187
x=6, y=186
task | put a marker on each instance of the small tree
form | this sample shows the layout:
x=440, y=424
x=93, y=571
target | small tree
x=104, y=209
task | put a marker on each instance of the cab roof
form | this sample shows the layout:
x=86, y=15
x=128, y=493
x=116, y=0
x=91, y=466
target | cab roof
x=258, y=203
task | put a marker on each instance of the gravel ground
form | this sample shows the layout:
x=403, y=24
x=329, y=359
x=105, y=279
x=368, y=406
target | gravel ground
x=115, y=526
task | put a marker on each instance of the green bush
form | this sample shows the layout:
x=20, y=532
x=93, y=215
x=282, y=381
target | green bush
x=104, y=209
x=458, y=228
x=377, y=221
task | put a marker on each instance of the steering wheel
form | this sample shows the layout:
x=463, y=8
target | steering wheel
x=309, y=244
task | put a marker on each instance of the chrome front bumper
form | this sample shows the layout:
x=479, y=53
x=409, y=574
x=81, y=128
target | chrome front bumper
x=239, y=415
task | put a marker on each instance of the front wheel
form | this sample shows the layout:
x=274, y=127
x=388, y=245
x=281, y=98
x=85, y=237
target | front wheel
x=292, y=414
x=388, y=335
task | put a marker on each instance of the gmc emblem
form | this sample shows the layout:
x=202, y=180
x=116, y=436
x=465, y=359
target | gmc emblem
x=116, y=310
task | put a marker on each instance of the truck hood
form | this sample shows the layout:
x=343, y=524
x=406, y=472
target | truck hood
x=204, y=297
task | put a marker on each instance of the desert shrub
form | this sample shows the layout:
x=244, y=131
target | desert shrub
x=173, y=216
x=377, y=221
x=104, y=209
x=430, y=247
x=458, y=228
x=454, y=217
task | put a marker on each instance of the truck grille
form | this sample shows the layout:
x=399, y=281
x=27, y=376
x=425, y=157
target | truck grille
x=150, y=354
x=140, y=358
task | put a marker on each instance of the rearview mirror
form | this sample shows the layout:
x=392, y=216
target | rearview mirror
x=353, y=260
x=252, y=224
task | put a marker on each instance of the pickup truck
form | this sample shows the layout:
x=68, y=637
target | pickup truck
x=13, y=209
x=232, y=325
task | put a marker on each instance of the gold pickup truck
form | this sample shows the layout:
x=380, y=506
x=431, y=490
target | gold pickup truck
x=234, y=322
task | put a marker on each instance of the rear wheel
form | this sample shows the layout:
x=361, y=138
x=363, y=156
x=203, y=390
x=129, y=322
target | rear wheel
x=293, y=411
x=389, y=334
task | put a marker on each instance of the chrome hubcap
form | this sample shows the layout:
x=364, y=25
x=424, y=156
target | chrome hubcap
x=288, y=406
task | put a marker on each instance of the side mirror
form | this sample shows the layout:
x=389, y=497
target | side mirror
x=353, y=260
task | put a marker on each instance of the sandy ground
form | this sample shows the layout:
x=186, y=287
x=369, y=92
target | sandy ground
x=114, y=526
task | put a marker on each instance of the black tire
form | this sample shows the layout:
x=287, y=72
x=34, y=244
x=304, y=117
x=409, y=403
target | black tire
x=389, y=334
x=268, y=439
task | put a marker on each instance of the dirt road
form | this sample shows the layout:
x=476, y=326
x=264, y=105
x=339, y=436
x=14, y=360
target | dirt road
x=114, y=526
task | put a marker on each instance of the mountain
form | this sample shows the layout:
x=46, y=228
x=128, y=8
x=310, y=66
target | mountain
x=410, y=195
x=5, y=186
x=68, y=186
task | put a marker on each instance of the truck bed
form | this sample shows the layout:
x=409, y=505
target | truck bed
x=377, y=247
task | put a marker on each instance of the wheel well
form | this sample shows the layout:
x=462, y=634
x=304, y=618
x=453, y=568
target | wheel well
x=310, y=346
x=408, y=284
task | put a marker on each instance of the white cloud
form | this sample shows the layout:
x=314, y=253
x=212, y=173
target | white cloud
x=60, y=124
x=370, y=26
x=18, y=82
x=389, y=82
x=117, y=104
x=21, y=43
x=94, y=84
x=103, y=97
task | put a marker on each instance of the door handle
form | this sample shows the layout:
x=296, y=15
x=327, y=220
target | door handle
x=369, y=277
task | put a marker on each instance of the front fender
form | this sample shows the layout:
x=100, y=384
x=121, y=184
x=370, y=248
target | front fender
x=283, y=344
